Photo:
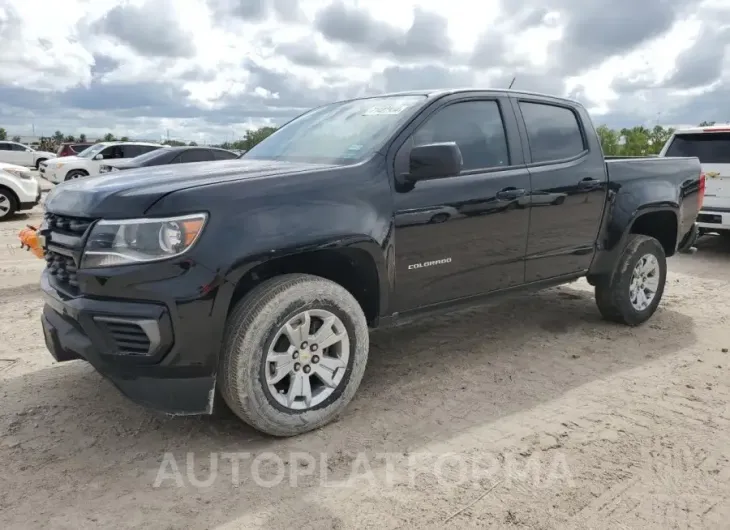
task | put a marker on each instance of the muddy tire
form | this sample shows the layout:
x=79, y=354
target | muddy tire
x=632, y=293
x=272, y=373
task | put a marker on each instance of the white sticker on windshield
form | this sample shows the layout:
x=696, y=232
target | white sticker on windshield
x=381, y=110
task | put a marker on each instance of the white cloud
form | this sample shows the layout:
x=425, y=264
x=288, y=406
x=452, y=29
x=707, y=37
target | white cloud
x=216, y=67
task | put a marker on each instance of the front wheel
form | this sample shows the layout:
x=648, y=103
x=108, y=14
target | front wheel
x=294, y=354
x=39, y=162
x=75, y=174
x=8, y=204
x=633, y=292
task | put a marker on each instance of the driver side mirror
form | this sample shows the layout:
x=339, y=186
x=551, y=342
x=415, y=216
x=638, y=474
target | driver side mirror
x=434, y=161
x=99, y=157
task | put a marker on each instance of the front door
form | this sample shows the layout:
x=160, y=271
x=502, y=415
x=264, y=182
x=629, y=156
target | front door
x=463, y=235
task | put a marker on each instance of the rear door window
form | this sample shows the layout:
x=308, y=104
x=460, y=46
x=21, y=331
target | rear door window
x=710, y=148
x=223, y=155
x=553, y=132
x=194, y=155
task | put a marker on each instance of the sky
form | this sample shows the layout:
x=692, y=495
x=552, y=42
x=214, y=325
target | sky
x=208, y=70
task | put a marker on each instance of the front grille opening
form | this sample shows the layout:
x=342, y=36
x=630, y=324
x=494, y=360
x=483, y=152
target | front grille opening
x=63, y=268
x=72, y=230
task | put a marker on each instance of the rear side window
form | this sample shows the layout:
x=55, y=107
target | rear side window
x=553, y=132
x=223, y=155
x=5, y=147
x=710, y=148
x=194, y=155
x=134, y=150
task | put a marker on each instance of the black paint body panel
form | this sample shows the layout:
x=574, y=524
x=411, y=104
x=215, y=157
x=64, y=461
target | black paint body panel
x=484, y=242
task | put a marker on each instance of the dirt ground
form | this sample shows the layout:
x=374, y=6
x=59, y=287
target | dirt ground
x=530, y=413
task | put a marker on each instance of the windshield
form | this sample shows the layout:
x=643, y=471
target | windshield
x=710, y=148
x=340, y=133
x=91, y=151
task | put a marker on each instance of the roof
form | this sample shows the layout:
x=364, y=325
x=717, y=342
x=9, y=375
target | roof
x=708, y=129
x=186, y=147
x=440, y=92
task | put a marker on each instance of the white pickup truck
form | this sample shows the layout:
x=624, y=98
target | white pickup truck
x=712, y=146
x=22, y=155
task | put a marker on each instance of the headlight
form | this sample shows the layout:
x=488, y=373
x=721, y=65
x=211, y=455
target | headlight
x=20, y=173
x=127, y=241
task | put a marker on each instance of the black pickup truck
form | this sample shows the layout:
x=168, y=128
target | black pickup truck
x=258, y=279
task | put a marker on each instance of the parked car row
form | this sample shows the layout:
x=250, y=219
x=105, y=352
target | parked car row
x=106, y=157
x=21, y=155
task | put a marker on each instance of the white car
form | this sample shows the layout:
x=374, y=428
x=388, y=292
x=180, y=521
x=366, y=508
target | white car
x=88, y=161
x=19, y=190
x=712, y=146
x=22, y=155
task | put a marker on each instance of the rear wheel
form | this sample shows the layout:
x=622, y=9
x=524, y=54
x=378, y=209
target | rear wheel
x=633, y=292
x=8, y=204
x=294, y=354
x=39, y=162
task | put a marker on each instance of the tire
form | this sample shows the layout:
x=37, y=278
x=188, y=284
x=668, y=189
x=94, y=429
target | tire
x=8, y=204
x=75, y=173
x=39, y=162
x=251, y=329
x=613, y=294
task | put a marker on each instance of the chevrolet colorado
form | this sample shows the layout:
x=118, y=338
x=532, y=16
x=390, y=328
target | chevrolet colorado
x=257, y=279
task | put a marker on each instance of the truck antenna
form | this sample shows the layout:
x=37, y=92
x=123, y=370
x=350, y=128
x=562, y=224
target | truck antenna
x=512, y=83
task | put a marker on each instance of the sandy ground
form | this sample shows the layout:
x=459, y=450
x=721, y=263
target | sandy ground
x=531, y=413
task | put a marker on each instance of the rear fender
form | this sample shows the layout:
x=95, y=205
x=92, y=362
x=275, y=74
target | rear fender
x=625, y=205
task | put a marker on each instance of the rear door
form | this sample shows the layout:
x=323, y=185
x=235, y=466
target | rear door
x=23, y=156
x=568, y=188
x=713, y=150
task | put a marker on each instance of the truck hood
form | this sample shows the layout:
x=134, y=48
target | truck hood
x=128, y=194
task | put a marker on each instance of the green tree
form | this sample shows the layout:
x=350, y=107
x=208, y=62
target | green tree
x=658, y=137
x=58, y=136
x=109, y=137
x=251, y=138
x=3, y=134
x=193, y=143
x=707, y=124
x=69, y=138
x=82, y=138
x=124, y=139
x=610, y=140
x=16, y=139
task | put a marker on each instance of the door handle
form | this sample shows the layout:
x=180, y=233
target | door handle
x=510, y=193
x=589, y=183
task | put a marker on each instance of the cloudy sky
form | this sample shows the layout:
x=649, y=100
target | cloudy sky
x=207, y=70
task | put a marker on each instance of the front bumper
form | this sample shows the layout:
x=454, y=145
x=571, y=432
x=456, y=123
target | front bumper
x=130, y=343
x=29, y=203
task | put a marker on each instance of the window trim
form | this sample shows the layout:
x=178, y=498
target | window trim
x=526, y=140
x=428, y=114
x=177, y=160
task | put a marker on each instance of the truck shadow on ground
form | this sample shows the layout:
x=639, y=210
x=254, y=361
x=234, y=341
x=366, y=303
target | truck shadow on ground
x=77, y=453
